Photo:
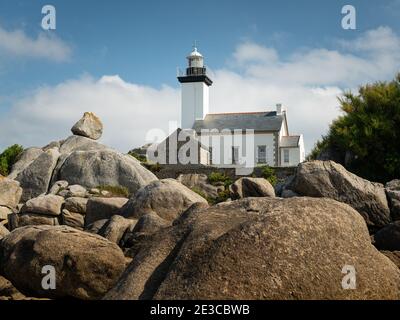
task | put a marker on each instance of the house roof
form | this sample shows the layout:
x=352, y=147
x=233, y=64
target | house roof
x=258, y=121
x=290, y=141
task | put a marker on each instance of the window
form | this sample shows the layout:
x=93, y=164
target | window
x=235, y=155
x=286, y=155
x=262, y=154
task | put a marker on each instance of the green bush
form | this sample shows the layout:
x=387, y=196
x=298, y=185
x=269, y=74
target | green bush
x=269, y=174
x=115, y=191
x=8, y=158
x=153, y=167
x=139, y=157
x=199, y=192
x=217, y=177
x=366, y=137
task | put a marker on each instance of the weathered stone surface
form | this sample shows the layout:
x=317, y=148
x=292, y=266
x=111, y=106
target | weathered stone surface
x=261, y=248
x=167, y=198
x=200, y=182
x=96, y=226
x=251, y=187
x=150, y=223
x=393, y=185
x=115, y=228
x=388, y=238
x=103, y=208
x=76, y=191
x=8, y=291
x=49, y=204
x=4, y=212
x=58, y=186
x=78, y=143
x=10, y=193
x=73, y=219
x=331, y=180
x=86, y=265
x=394, y=256
x=24, y=160
x=286, y=193
x=35, y=178
x=394, y=203
x=3, y=231
x=17, y=220
x=76, y=204
x=95, y=168
x=89, y=126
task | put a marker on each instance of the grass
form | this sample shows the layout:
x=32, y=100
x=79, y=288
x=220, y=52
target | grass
x=115, y=191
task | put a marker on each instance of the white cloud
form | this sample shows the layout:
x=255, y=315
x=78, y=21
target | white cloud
x=307, y=83
x=46, y=45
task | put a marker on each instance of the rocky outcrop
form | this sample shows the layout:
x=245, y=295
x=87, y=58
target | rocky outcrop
x=103, y=208
x=393, y=194
x=251, y=187
x=261, y=248
x=95, y=168
x=73, y=219
x=200, y=182
x=35, y=178
x=24, y=160
x=394, y=256
x=331, y=180
x=17, y=220
x=115, y=228
x=89, y=126
x=388, y=238
x=8, y=291
x=76, y=204
x=48, y=205
x=86, y=265
x=10, y=193
x=167, y=198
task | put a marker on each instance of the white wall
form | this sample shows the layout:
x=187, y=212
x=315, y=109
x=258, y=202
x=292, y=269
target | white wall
x=226, y=143
x=195, y=103
x=294, y=157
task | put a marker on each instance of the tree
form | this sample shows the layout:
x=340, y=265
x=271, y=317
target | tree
x=8, y=158
x=368, y=131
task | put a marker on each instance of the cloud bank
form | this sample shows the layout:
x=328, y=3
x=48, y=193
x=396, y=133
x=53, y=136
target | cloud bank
x=256, y=78
x=46, y=45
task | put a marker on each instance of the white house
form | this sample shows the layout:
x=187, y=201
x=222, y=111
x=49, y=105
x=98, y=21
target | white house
x=264, y=135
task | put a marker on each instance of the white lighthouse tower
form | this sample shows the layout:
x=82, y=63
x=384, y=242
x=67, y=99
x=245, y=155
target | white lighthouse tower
x=195, y=87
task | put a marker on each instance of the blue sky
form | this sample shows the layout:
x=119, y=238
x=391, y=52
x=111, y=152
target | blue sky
x=140, y=43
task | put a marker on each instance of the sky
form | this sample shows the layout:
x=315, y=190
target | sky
x=119, y=59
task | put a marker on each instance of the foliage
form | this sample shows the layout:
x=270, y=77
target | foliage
x=8, y=158
x=138, y=156
x=269, y=174
x=199, y=192
x=218, y=177
x=115, y=191
x=153, y=167
x=368, y=131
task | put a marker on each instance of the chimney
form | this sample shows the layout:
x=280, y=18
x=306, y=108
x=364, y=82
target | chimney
x=279, y=109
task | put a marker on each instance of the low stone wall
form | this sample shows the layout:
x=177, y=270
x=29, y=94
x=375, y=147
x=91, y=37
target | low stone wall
x=174, y=170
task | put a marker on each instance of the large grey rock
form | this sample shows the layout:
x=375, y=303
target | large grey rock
x=331, y=180
x=388, y=238
x=96, y=226
x=200, y=182
x=115, y=228
x=394, y=203
x=167, y=198
x=73, y=219
x=86, y=265
x=24, y=160
x=251, y=187
x=10, y=192
x=76, y=191
x=393, y=185
x=94, y=168
x=35, y=178
x=49, y=204
x=78, y=143
x=89, y=126
x=261, y=248
x=103, y=208
x=17, y=220
x=76, y=204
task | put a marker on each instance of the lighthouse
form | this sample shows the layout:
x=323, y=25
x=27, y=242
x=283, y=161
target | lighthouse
x=195, y=90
